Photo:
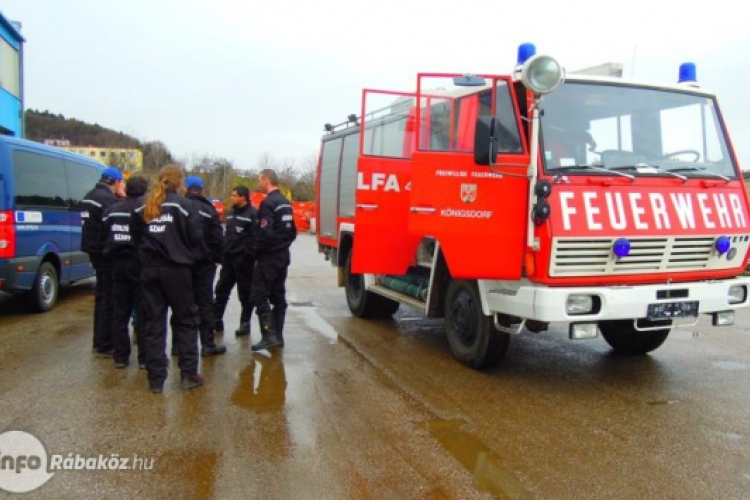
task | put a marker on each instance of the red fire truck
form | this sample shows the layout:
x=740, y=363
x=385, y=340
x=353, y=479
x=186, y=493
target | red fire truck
x=505, y=203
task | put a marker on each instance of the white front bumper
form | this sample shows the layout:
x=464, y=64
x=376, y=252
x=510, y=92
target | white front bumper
x=617, y=302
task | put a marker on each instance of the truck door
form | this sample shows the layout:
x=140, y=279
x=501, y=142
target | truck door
x=382, y=242
x=477, y=213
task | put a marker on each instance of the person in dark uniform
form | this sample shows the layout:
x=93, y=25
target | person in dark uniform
x=238, y=260
x=93, y=206
x=121, y=253
x=276, y=234
x=207, y=255
x=166, y=229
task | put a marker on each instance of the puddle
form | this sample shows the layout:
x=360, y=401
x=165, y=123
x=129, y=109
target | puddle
x=312, y=319
x=733, y=437
x=261, y=387
x=747, y=476
x=195, y=470
x=730, y=365
x=662, y=402
x=302, y=304
x=483, y=464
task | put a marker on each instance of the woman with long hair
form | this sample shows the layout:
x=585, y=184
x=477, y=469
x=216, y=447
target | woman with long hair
x=167, y=227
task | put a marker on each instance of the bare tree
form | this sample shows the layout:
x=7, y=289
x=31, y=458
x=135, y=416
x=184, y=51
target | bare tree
x=155, y=155
x=304, y=189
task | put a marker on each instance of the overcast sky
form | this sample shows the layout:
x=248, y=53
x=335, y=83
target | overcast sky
x=237, y=78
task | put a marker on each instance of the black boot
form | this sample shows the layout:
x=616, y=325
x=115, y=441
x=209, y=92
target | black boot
x=208, y=346
x=278, y=318
x=244, y=328
x=268, y=332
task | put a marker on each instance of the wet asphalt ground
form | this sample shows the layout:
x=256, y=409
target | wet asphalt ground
x=379, y=409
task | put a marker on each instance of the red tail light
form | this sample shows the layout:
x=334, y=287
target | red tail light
x=7, y=235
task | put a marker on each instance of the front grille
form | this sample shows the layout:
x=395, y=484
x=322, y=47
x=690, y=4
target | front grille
x=589, y=257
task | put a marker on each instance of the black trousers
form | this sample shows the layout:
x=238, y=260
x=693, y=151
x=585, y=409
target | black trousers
x=204, y=274
x=126, y=298
x=169, y=286
x=102, y=303
x=269, y=282
x=237, y=269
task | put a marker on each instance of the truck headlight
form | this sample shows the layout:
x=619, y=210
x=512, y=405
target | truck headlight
x=579, y=304
x=737, y=294
x=541, y=74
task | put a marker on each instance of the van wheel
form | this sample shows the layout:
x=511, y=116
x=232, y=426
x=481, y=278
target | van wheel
x=46, y=286
x=364, y=304
x=472, y=335
x=623, y=338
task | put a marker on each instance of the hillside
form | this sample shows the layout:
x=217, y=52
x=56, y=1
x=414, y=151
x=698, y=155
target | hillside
x=41, y=125
x=45, y=125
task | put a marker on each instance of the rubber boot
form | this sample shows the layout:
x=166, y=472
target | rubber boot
x=278, y=318
x=208, y=346
x=268, y=333
x=244, y=328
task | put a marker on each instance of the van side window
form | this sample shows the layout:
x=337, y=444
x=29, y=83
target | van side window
x=39, y=180
x=81, y=179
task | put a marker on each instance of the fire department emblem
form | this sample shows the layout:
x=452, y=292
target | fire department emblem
x=468, y=193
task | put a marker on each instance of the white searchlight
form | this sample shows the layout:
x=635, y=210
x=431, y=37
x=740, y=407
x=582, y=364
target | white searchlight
x=541, y=74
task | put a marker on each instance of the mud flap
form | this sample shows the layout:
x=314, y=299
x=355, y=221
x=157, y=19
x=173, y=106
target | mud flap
x=479, y=217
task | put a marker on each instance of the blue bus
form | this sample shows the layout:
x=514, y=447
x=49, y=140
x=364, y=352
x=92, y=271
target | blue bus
x=41, y=188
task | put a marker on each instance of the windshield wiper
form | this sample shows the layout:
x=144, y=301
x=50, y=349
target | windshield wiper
x=592, y=167
x=657, y=168
x=703, y=171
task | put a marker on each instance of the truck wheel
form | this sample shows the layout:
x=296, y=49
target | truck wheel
x=623, y=338
x=364, y=304
x=472, y=335
x=44, y=294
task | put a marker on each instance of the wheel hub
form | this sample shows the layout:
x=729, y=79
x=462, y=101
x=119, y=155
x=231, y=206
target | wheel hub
x=463, y=318
x=47, y=288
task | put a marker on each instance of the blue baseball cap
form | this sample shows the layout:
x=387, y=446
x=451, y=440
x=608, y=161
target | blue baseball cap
x=194, y=183
x=112, y=174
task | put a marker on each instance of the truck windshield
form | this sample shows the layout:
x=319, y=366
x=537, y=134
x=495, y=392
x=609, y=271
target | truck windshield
x=644, y=131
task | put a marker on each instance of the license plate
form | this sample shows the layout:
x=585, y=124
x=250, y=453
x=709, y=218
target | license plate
x=670, y=310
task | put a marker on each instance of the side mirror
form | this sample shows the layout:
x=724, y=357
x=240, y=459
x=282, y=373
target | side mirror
x=485, y=140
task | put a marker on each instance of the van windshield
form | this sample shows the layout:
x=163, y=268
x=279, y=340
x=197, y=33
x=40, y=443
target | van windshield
x=644, y=131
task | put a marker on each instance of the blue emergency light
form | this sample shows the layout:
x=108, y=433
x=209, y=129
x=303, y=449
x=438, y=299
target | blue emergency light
x=688, y=73
x=722, y=244
x=621, y=247
x=525, y=52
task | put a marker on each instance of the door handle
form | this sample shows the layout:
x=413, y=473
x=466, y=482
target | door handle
x=423, y=210
x=366, y=206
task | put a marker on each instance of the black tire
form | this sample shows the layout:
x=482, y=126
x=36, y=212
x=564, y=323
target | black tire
x=364, y=304
x=472, y=336
x=46, y=287
x=623, y=338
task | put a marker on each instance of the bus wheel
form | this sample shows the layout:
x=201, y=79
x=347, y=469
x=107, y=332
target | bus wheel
x=623, y=338
x=364, y=304
x=44, y=294
x=472, y=335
